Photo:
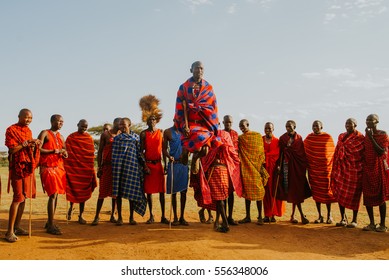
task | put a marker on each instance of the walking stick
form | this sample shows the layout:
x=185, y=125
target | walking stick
x=275, y=192
x=171, y=194
x=30, y=216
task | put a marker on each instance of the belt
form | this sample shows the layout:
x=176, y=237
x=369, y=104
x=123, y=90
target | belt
x=153, y=161
x=197, y=121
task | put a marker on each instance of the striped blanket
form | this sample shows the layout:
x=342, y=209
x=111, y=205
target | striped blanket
x=79, y=167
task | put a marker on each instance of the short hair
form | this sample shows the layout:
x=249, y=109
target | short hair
x=54, y=117
x=319, y=122
x=292, y=122
x=352, y=120
x=23, y=111
x=196, y=63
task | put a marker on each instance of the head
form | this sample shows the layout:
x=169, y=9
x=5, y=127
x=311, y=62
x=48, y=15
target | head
x=244, y=125
x=269, y=128
x=107, y=127
x=372, y=120
x=25, y=117
x=124, y=125
x=317, y=127
x=351, y=125
x=82, y=126
x=152, y=121
x=227, y=122
x=116, y=122
x=197, y=70
x=56, y=122
x=290, y=127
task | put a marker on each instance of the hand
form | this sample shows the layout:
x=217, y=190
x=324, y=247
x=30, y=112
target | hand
x=369, y=132
x=99, y=173
x=186, y=131
x=147, y=170
x=64, y=153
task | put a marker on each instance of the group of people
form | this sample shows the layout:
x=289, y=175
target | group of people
x=264, y=169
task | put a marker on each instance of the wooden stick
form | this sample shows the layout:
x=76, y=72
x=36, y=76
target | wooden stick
x=30, y=216
x=171, y=194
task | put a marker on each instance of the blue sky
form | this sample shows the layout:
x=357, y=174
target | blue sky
x=269, y=60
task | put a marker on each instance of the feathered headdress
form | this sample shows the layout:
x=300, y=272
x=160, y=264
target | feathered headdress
x=149, y=106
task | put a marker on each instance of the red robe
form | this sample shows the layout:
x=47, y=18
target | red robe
x=52, y=170
x=375, y=187
x=155, y=181
x=271, y=205
x=79, y=167
x=293, y=184
x=105, y=181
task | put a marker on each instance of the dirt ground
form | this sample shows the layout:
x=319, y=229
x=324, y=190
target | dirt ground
x=276, y=241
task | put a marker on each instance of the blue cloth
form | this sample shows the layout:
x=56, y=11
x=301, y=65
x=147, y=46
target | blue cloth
x=180, y=171
x=127, y=170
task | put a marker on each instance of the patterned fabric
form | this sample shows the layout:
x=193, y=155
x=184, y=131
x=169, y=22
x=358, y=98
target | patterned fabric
x=346, y=176
x=320, y=149
x=105, y=183
x=52, y=170
x=127, y=170
x=271, y=205
x=22, y=163
x=226, y=155
x=203, y=118
x=218, y=182
x=252, y=157
x=294, y=187
x=235, y=138
x=180, y=171
x=79, y=166
x=375, y=187
x=155, y=181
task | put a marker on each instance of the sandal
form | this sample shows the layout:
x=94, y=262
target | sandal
x=112, y=220
x=293, y=220
x=81, y=221
x=329, y=221
x=119, y=222
x=164, y=221
x=210, y=220
x=304, y=220
x=320, y=220
x=369, y=228
x=69, y=215
x=260, y=222
x=175, y=223
x=20, y=231
x=342, y=223
x=11, y=238
x=202, y=216
x=273, y=220
x=232, y=222
x=95, y=222
x=381, y=229
x=222, y=229
x=150, y=221
x=133, y=222
x=352, y=225
x=266, y=219
x=54, y=230
x=183, y=222
x=245, y=221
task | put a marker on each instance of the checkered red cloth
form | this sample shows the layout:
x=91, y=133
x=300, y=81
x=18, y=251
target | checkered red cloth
x=375, y=187
x=346, y=176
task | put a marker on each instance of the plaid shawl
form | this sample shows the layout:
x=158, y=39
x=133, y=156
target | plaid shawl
x=346, y=175
x=252, y=157
x=79, y=166
x=202, y=112
x=375, y=187
x=320, y=149
x=127, y=170
x=23, y=162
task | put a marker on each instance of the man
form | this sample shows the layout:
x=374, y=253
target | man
x=217, y=169
x=346, y=176
x=197, y=116
x=375, y=187
x=271, y=205
x=177, y=172
x=52, y=170
x=151, y=146
x=104, y=163
x=254, y=175
x=80, y=169
x=320, y=148
x=293, y=184
x=23, y=156
x=127, y=164
x=227, y=122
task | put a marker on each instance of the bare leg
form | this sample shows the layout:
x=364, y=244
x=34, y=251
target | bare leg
x=112, y=219
x=329, y=216
x=247, y=218
x=132, y=209
x=119, y=207
x=150, y=203
x=259, y=208
x=13, y=211
x=318, y=208
x=382, y=214
x=183, y=204
x=99, y=205
x=162, y=202
x=304, y=220
x=174, y=205
x=210, y=217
